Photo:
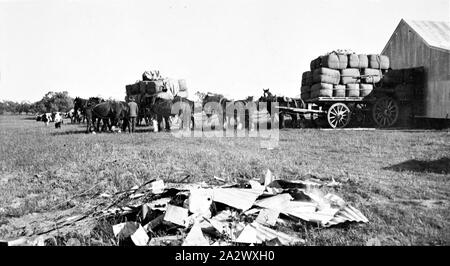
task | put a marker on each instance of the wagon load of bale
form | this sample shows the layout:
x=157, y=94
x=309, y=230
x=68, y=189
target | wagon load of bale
x=343, y=74
x=307, y=81
x=152, y=84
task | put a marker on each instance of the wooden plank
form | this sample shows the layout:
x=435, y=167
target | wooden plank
x=300, y=110
x=340, y=99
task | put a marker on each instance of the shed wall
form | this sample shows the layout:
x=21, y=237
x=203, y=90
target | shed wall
x=406, y=49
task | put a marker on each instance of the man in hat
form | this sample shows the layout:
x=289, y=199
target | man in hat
x=133, y=113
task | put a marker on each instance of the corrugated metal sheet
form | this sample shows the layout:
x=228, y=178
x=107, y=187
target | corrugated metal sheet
x=347, y=214
x=257, y=233
x=434, y=33
x=238, y=198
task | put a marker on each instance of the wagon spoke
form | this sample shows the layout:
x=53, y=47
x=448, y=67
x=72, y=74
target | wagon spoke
x=338, y=115
x=385, y=112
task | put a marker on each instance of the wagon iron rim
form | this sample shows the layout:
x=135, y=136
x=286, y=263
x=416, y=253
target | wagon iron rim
x=339, y=115
x=385, y=112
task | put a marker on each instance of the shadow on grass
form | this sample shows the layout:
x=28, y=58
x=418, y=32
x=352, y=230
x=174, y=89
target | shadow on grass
x=70, y=132
x=440, y=166
x=83, y=131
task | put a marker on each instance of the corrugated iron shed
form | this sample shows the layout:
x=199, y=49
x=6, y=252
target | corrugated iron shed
x=435, y=33
x=425, y=44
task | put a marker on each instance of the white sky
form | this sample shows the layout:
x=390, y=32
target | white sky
x=92, y=48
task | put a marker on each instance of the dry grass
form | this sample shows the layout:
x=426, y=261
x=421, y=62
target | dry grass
x=398, y=179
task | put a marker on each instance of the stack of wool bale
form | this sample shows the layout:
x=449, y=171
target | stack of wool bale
x=339, y=75
x=307, y=81
x=151, y=83
x=133, y=90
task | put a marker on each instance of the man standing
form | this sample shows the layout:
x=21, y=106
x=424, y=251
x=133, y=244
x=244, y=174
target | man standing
x=134, y=110
x=58, y=120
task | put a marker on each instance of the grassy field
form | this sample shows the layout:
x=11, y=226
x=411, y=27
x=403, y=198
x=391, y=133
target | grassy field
x=398, y=178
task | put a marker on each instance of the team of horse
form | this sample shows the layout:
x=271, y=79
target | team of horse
x=240, y=113
x=236, y=113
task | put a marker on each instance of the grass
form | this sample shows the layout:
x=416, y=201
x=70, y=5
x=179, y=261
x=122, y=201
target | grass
x=398, y=178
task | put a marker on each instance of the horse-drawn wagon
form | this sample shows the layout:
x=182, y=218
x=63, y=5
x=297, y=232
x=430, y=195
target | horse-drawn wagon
x=382, y=106
x=157, y=96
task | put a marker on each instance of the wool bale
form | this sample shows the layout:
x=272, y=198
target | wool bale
x=128, y=89
x=343, y=61
x=384, y=62
x=378, y=61
x=316, y=63
x=133, y=89
x=305, y=74
x=353, y=61
x=375, y=75
x=331, y=61
x=352, y=90
x=365, y=89
x=338, y=91
x=305, y=95
x=305, y=89
x=363, y=61
x=322, y=90
x=151, y=87
x=350, y=75
x=307, y=78
x=182, y=85
x=136, y=88
x=326, y=75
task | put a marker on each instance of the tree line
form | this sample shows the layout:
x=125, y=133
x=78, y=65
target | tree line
x=51, y=102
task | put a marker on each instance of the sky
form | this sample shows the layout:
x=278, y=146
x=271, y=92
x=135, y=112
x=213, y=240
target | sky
x=237, y=48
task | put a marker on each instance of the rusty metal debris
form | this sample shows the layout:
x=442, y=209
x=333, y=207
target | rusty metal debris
x=249, y=212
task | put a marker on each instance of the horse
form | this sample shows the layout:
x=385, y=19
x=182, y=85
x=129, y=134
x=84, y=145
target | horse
x=79, y=106
x=230, y=110
x=160, y=109
x=108, y=111
x=269, y=98
x=83, y=107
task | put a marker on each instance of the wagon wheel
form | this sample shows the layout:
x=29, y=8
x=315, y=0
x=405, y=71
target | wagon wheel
x=338, y=115
x=385, y=112
x=360, y=113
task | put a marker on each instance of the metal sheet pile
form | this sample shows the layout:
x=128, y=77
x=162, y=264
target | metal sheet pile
x=250, y=212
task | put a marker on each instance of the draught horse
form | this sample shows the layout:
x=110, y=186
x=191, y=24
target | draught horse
x=113, y=113
x=269, y=98
x=82, y=106
x=237, y=113
x=160, y=109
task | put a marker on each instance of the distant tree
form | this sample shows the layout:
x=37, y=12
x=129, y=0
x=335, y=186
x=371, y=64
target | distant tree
x=24, y=107
x=38, y=107
x=2, y=107
x=51, y=102
x=11, y=107
x=56, y=102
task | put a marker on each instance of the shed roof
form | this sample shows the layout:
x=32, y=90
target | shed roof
x=434, y=33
